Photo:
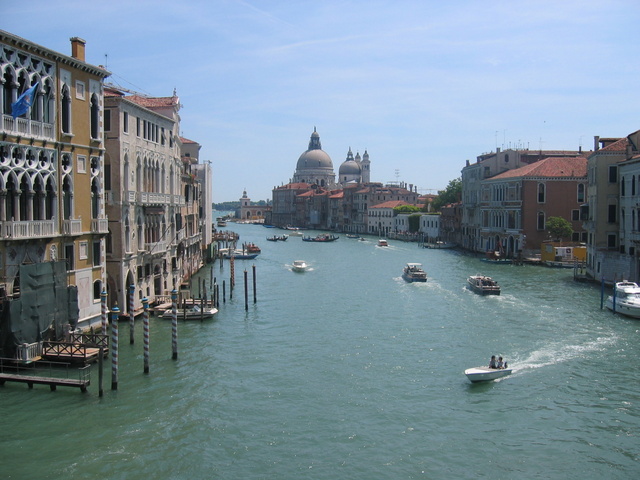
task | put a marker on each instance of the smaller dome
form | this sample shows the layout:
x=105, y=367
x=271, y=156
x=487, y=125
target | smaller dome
x=349, y=167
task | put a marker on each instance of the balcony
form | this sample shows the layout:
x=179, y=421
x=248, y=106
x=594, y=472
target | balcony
x=153, y=198
x=100, y=225
x=28, y=229
x=156, y=248
x=28, y=128
x=72, y=227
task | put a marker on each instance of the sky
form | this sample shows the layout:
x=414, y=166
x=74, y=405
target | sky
x=422, y=85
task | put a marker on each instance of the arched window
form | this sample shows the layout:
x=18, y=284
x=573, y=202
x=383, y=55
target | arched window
x=541, y=222
x=581, y=193
x=541, y=193
x=65, y=110
x=95, y=117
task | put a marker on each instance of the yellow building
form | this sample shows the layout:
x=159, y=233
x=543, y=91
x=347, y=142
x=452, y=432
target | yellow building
x=51, y=169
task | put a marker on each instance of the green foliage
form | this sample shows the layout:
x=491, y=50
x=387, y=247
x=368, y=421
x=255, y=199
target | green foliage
x=559, y=228
x=451, y=194
x=406, y=209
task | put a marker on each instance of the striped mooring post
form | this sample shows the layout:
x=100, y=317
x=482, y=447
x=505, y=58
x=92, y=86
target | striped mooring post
x=114, y=347
x=174, y=324
x=132, y=317
x=145, y=325
x=103, y=316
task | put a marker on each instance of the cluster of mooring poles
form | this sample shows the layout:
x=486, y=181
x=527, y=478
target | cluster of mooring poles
x=115, y=314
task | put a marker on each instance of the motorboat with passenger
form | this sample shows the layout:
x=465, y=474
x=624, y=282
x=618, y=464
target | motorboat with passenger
x=382, y=242
x=323, y=237
x=485, y=374
x=625, y=299
x=413, y=272
x=483, y=285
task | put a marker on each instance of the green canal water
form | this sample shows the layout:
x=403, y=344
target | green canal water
x=348, y=372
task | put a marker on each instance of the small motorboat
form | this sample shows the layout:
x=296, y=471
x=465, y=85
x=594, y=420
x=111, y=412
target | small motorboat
x=627, y=299
x=237, y=254
x=483, y=285
x=193, y=312
x=352, y=235
x=252, y=248
x=299, y=266
x=485, y=374
x=278, y=238
x=413, y=272
x=383, y=243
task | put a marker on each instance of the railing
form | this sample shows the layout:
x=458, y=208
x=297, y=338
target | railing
x=153, y=198
x=100, y=225
x=72, y=227
x=28, y=352
x=27, y=127
x=28, y=229
x=95, y=340
x=156, y=247
x=47, y=370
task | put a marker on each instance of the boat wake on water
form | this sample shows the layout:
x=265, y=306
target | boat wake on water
x=554, y=354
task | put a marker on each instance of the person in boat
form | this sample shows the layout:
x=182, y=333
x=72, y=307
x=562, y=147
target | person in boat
x=500, y=363
x=492, y=362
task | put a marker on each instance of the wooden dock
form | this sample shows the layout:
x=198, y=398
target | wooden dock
x=54, y=374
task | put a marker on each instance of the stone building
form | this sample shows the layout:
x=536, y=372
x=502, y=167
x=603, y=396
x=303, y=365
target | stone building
x=52, y=168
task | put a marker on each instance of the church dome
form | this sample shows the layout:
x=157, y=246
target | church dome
x=312, y=159
x=349, y=166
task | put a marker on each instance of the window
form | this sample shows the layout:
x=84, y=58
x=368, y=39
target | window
x=581, y=193
x=633, y=185
x=95, y=117
x=65, y=110
x=541, y=222
x=68, y=255
x=96, y=254
x=613, y=173
x=575, y=215
x=541, y=192
x=138, y=126
x=125, y=122
x=107, y=120
x=80, y=89
x=81, y=163
x=83, y=251
x=97, y=290
x=611, y=240
x=611, y=217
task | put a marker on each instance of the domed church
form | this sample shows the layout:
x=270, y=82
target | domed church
x=354, y=170
x=314, y=165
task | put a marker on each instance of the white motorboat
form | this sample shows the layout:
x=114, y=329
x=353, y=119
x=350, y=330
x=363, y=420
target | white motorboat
x=483, y=285
x=485, y=374
x=193, y=312
x=413, y=272
x=627, y=299
x=383, y=243
x=299, y=266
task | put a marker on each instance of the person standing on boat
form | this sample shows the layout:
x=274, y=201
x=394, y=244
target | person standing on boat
x=492, y=362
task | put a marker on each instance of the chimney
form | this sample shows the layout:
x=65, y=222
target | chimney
x=596, y=143
x=77, y=48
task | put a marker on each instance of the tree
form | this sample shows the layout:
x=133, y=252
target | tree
x=559, y=228
x=451, y=194
x=406, y=209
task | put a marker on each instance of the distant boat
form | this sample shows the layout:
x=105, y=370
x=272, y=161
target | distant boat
x=483, y=285
x=440, y=245
x=237, y=254
x=299, y=266
x=323, y=237
x=413, y=272
x=278, y=238
x=352, y=235
x=252, y=248
x=383, y=243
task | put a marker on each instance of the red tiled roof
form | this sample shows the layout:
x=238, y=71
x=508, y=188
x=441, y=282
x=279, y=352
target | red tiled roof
x=619, y=146
x=293, y=186
x=151, y=102
x=549, y=167
x=390, y=204
x=186, y=140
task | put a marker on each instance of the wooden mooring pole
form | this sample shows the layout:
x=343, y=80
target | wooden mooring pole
x=145, y=325
x=114, y=347
x=246, y=292
x=103, y=306
x=174, y=325
x=132, y=317
x=254, y=283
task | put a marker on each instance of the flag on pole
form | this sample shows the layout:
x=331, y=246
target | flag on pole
x=24, y=102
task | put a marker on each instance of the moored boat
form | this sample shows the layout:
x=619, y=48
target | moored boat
x=237, y=254
x=625, y=299
x=483, y=285
x=191, y=313
x=252, y=248
x=485, y=374
x=413, y=272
